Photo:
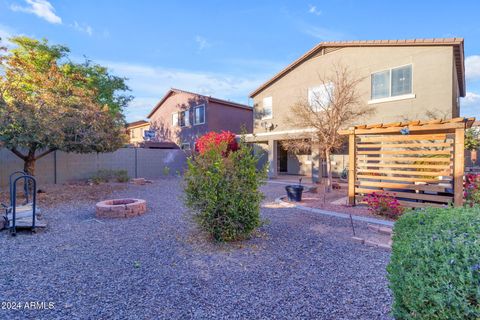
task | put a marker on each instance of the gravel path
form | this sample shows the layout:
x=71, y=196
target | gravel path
x=159, y=266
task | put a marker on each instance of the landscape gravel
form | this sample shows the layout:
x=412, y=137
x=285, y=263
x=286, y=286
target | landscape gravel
x=299, y=265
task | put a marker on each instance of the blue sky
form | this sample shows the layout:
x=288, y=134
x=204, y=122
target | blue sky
x=227, y=48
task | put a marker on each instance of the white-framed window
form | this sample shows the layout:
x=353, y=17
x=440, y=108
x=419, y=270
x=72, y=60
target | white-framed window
x=320, y=96
x=392, y=82
x=199, y=114
x=174, y=119
x=267, y=108
x=184, y=118
x=185, y=146
x=132, y=133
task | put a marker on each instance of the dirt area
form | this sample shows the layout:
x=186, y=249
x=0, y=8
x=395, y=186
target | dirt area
x=51, y=195
x=336, y=201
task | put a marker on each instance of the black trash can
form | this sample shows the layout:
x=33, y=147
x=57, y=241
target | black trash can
x=294, y=192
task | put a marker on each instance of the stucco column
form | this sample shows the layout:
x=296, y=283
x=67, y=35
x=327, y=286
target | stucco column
x=272, y=158
x=316, y=164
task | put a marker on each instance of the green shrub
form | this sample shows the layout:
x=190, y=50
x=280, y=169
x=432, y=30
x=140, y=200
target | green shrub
x=434, y=271
x=102, y=175
x=122, y=176
x=222, y=190
x=107, y=175
x=166, y=171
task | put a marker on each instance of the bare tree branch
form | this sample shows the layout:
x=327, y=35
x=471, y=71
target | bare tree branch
x=337, y=105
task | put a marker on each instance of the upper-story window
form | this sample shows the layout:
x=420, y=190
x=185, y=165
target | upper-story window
x=174, y=119
x=319, y=97
x=392, y=82
x=199, y=115
x=184, y=118
x=267, y=108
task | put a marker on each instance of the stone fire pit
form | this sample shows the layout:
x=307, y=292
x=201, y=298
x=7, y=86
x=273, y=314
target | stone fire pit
x=120, y=208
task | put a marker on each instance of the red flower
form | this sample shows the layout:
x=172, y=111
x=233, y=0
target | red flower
x=213, y=139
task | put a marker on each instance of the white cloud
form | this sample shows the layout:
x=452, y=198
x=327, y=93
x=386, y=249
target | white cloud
x=323, y=34
x=471, y=98
x=202, y=43
x=472, y=67
x=470, y=105
x=149, y=84
x=82, y=28
x=313, y=10
x=5, y=34
x=41, y=8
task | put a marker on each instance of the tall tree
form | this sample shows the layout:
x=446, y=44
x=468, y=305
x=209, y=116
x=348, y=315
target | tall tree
x=49, y=103
x=335, y=104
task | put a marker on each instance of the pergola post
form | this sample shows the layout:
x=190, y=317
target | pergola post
x=351, y=168
x=458, y=167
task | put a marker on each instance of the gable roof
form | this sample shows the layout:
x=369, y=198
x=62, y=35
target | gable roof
x=456, y=43
x=207, y=98
x=139, y=123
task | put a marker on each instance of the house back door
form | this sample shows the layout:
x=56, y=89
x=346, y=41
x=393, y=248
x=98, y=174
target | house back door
x=282, y=159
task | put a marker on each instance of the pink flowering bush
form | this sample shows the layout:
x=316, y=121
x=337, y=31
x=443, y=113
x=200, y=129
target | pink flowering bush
x=472, y=189
x=384, y=204
x=224, y=140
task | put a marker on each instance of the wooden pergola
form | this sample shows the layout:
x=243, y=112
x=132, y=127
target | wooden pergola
x=420, y=162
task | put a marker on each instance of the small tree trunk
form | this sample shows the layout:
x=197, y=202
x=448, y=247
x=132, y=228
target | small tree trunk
x=29, y=166
x=328, y=187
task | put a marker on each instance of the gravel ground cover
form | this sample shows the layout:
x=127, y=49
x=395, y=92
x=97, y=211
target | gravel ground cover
x=299, y=265
x=326, y=201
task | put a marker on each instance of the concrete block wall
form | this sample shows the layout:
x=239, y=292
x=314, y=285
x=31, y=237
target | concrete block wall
x=61, y=167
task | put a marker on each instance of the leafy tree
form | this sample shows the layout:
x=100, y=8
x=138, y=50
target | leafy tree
x=472, y=139
x=49, y=103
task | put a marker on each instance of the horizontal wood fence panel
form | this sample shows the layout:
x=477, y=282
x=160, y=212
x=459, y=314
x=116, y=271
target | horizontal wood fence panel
x=411, y=195
x=404, y=145
x=404, y=159
x=409, y=186
x=402, y=172
x=406, y=152
x=401, y=165
x=407, y=179
x=422, y=161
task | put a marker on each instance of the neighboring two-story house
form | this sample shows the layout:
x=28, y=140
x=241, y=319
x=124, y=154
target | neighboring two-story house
x=401, y=79
x=136, y=131
x=182, y=116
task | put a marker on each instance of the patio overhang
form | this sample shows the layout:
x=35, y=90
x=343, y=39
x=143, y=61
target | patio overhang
x=279, y=135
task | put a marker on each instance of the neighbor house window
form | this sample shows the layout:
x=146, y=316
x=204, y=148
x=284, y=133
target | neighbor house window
x=199, y=115
x=174, y=119
x=185, y=146
x=320, y=97
x=184, y=118
x=392, y=83
x=267, y=108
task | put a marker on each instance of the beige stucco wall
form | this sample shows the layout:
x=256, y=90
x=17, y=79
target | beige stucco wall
x=136, y=133
x=432, y=81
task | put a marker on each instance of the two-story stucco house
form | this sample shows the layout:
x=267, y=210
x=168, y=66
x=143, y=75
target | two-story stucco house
x=401, y=79
x=182, y=116
x=136, y=131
